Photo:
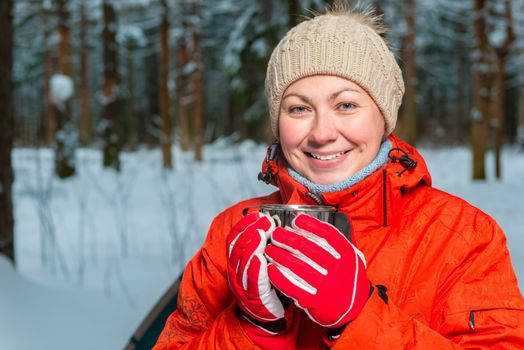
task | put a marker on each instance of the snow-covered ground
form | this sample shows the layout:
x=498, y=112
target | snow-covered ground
x=95, y=252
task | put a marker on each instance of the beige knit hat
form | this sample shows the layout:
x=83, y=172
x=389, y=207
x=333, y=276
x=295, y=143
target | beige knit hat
x=344, y=43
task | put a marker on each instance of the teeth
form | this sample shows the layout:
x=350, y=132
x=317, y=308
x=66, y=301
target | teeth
x=328, y=157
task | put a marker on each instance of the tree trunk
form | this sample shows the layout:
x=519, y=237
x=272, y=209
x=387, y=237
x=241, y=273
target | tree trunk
x=198, y=112
x=65, y=140
x=164, y=99
x=6, y=130
x=410, y=120
x=49, y=112
x=110, y=135
x=85, y=129
x=271, y=38
x=519, y=134
x=462, y=102
x=293, y=13
x=499, y=113
x=481, y=90
x=198, y=91
x=132, y=117
x=182, y=99
x=500, y=103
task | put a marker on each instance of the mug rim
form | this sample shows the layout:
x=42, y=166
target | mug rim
x=298, y=207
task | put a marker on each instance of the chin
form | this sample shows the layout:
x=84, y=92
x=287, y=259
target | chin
x=327, y=180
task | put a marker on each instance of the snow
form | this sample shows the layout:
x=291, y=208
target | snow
x=40, y=317
x=498, y=35
x=131, y=36
x=95, y=252
x=62, y=88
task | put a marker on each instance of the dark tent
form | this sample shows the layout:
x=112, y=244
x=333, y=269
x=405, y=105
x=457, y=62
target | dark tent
x=147, y=333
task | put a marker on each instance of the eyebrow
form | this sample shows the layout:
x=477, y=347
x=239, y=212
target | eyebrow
x=335, y=94
x=331, y=97
x=302, y=97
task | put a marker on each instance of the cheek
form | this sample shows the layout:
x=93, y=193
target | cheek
x=290, y=134
x=373, y=135
x=371, y=130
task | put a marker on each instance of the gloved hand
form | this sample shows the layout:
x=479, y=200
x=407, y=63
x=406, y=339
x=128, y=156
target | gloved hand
x=316, y=266
x=247, y=273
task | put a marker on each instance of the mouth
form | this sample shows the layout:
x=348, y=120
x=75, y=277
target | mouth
x=326, y=157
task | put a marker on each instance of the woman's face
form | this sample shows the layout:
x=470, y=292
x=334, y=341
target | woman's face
x=329, y=127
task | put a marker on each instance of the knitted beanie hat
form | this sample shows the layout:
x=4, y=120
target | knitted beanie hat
x=343, y=43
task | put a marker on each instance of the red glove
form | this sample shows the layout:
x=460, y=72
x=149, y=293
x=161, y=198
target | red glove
x=247, y=273
x=316, y=266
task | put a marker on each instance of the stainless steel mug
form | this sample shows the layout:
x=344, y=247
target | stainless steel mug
x=285, y=213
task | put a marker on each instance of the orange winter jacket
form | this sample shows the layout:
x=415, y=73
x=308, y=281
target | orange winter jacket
x=450, y=282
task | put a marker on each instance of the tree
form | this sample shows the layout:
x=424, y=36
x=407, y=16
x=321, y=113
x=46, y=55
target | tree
x=84, y=126
x=47, y=58
x=6, y=130
x=182, y=101
x=293, y=12
x=520, y=122
x=255, y=34
x=499, y=113
x=110, y=91
x=479, y=115
x=197, y=82
x=164, y=98
x=131, y=37
x=409, y=118
x=461, y=123
x=190, y=80
x=65, y=133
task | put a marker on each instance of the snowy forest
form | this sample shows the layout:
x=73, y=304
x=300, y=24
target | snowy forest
x=127, y=73
x=126, y=125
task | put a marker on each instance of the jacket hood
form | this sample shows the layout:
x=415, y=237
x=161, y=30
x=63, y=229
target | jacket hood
x=375, y=200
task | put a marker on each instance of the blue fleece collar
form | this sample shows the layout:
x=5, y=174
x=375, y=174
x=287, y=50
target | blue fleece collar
x=380, y=160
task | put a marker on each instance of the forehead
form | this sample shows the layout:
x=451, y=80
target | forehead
x=317, y=85
x=323, y=81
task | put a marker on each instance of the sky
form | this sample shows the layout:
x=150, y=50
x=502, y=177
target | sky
x=95, y=252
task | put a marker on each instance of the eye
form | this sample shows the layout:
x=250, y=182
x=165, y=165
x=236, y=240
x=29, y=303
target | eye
x=297, y=109
x=346, y=106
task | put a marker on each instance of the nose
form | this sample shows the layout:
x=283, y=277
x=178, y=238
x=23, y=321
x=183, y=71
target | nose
x=323, y=129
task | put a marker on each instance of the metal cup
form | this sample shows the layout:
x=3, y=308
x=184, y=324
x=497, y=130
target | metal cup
x=285, y=213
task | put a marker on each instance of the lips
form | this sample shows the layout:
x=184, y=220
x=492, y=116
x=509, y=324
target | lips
x=325, y=157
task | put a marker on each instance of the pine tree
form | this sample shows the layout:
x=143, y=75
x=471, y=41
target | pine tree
x=409, y=117
x=84, y=125
x=482, y=59
x=110, y=91
x=66, y=131
x=197, y=82
x=499, y=102
x=6, y=130
x=164, y=98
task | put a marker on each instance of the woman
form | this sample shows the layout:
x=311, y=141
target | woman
x=424, y=269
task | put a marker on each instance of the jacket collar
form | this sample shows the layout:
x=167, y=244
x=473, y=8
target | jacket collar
x=374, y=201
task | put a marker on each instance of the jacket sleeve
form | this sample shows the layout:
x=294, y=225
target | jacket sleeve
x=477, y=305
x=205, y=315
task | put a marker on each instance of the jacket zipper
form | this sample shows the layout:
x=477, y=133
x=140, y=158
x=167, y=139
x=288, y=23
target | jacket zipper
x=384, y=196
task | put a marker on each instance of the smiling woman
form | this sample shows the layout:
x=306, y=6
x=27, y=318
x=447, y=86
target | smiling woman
x=418, y=267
